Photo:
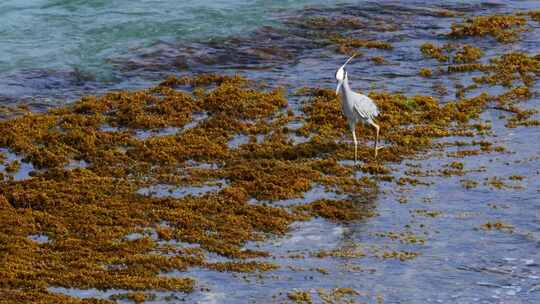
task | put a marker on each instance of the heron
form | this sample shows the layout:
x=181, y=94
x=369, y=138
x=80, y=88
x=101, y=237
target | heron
x=356, y=107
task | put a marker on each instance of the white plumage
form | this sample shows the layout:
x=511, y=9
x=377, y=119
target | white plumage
x=356, y=107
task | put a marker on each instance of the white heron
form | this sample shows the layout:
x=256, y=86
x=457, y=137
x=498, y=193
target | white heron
x=356, y=107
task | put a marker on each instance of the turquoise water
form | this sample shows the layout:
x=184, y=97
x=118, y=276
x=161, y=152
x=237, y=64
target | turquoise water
x=56, y=50
x=84, y=34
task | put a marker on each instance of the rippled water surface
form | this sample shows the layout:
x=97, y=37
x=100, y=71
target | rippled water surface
x=52, y=52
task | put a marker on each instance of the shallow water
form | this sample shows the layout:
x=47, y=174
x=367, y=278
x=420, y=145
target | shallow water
x=458, y=261
x=123, y=45
x=24, y=168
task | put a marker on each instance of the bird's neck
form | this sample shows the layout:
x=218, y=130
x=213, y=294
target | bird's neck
x=345, y=85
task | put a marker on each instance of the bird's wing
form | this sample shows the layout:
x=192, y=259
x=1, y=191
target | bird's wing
x=365, y=107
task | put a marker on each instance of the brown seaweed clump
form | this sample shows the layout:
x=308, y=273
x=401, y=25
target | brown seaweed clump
x=137, y=297
x=432, y=51
x=535, y=15
x=497, y=225
x=201, y=80
x=468, y=54
x=300, y=297
x=504, y=70
x=458, y=54
x=335, y=295
x=504, y=28
x=447, y=13
x=425, y=72
x=337, y=210
x=516, y=71
x=378, y=60
x=104, y=233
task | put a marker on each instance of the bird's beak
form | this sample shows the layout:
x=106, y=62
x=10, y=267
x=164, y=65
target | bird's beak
x=338, y=87
x=348, y=60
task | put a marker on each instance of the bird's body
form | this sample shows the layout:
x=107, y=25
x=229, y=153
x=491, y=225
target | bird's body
x=356, y=107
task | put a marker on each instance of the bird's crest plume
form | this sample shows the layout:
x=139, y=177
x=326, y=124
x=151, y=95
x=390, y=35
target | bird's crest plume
x=340, y=74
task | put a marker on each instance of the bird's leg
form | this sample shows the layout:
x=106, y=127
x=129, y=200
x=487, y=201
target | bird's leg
x=355, y=144
x=376, y=138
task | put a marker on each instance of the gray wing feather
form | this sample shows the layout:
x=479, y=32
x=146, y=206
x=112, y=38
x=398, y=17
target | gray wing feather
x=365, y=107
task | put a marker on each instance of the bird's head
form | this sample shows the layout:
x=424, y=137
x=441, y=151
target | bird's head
x=341, y=74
